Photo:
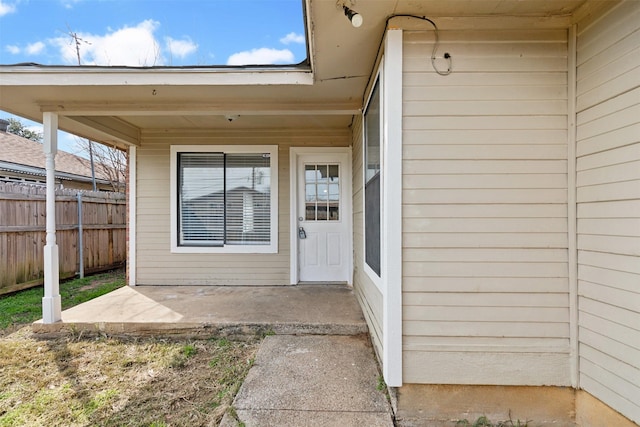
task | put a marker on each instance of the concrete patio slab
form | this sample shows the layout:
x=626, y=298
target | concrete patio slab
x=312, y=381
x=216, y=310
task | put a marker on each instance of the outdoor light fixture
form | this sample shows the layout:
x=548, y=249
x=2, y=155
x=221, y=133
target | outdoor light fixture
x=354, y=17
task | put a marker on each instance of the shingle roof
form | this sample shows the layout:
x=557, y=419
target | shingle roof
x=21, y=151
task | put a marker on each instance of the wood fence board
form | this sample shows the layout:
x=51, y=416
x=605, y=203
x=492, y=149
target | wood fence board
x=23, y=235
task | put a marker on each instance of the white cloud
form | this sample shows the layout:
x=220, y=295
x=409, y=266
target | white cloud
x=68, y=4
x=131, y=46
x=35, y=128
x=127, y=46
x=32, y=49
x=6, y=8
x=261, y=56
x=35, y=48
x=180, y=48
x=292, y=38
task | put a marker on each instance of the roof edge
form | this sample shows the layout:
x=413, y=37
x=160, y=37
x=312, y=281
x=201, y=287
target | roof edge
x=53, y=75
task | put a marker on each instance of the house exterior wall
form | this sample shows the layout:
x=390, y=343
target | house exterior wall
x=608, y=205
x=368, y=294
x=157, y=265
x=485, y=265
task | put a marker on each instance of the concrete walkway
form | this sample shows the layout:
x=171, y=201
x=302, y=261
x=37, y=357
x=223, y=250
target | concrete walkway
x=216, y=310
x=312, y=381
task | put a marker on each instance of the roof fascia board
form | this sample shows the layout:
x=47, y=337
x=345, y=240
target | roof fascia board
x=37, y=171
x=80, y=178
x=33, y=75
x=19, y=168
x=309, y=28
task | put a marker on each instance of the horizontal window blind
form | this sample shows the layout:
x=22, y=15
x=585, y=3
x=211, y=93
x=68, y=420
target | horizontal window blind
x=224, y=199
x=201, y=198
x=248, y=190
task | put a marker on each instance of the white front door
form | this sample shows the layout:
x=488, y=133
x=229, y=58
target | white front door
x=324, y=217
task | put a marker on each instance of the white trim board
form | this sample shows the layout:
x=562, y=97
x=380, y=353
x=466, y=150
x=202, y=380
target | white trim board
x=391, y=217
x=572, y=208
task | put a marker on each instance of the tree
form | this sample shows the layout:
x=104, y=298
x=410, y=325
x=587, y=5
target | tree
x=110, y=162
x=16, y=127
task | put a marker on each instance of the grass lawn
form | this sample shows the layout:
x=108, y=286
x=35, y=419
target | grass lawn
x=26, y=306
x=114, y=382
x=75, y=381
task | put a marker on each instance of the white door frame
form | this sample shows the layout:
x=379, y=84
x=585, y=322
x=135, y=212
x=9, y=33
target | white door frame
x=294, y=153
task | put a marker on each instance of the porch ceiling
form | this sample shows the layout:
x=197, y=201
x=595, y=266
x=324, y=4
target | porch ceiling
x=114, y=105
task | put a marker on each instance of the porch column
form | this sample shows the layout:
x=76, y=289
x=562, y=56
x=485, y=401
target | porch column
x=132, y=194
x=51, y=303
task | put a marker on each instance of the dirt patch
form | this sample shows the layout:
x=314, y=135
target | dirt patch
x=10, y=330
x=114, y=382
x=101, y=279
x=92, y=285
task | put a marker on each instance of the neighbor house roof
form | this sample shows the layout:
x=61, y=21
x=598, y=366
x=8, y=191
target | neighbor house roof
x=24, y=156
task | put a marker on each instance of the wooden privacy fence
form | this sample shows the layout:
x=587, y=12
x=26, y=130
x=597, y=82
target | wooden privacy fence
x=23, y=236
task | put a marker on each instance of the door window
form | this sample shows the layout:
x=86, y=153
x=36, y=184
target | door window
x=322, y=192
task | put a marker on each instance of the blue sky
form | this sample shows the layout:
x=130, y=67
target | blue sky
x=151, y=33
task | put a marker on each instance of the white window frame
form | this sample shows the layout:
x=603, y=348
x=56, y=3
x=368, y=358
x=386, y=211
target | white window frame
x=272, y=247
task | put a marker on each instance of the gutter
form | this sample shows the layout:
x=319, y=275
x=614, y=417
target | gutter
x=36, y=171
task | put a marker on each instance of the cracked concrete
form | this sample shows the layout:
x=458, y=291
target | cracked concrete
x=312, y=381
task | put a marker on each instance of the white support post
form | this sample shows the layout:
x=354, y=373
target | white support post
x=51, y=303
x=132, y=189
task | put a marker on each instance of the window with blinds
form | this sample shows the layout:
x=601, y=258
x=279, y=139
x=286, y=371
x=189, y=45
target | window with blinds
x=224, y=199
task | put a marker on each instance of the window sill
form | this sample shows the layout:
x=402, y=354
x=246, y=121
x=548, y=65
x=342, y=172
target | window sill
x=250, y=249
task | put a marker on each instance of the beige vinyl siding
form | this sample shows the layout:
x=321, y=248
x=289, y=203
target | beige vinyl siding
x=156, y=265
x=485, y=274
x=608, y=196
x=366, y=291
